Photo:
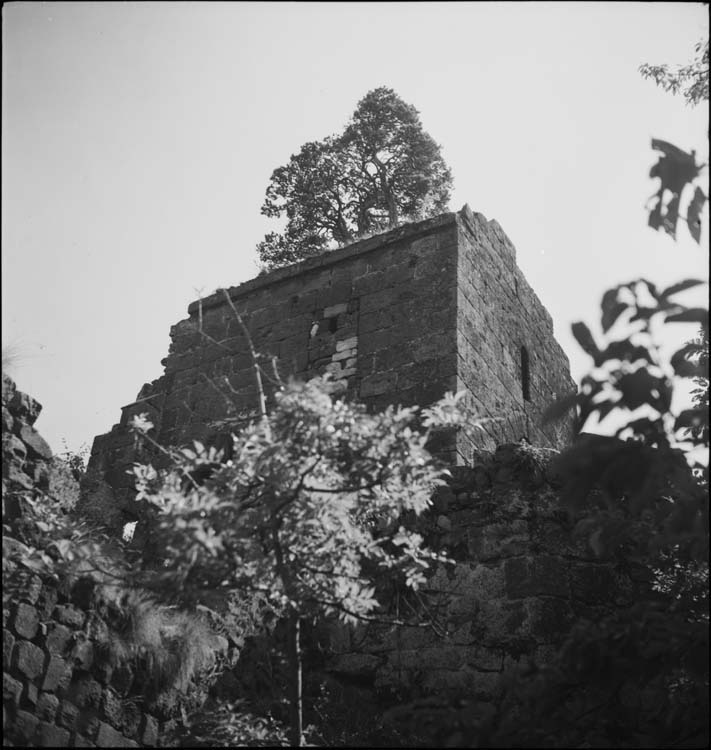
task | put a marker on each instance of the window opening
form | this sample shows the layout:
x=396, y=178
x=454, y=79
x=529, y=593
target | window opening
x=525, y=375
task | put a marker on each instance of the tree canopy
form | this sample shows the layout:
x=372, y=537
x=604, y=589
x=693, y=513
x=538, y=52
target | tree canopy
x=381, y=170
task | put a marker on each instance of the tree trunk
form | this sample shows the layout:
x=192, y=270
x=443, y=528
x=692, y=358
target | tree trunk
x=295, y=712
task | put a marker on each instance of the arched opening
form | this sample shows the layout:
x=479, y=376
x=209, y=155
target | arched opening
x=525, y=375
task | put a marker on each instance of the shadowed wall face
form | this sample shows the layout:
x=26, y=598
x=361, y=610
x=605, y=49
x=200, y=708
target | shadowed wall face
x=400, y=318
x=509, y=363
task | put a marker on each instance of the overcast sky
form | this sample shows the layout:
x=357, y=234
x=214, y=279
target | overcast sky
x=138, y=140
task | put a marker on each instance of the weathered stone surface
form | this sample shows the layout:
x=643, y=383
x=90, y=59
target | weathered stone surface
x=16, y=477
x=69, y=615
x=24, y=726
x=32, y=589
x=28, y=659
x=109, y=737
x=11, y=690
x=7, y=420
x=88, y=723
x=14, y=447
x=8, y=389
x=25, y=621
x=82, y=655
x=85, y=692
x=67, y=714
x=58, y=638
x=47, y=706
x=37, y=446
x=24, y=407
x=57, y=675
x=8, y=643
x=52, y=736
x=130, y=720
x=29, y=696
x=79, y=740
x=148, y=730
x=111, y=709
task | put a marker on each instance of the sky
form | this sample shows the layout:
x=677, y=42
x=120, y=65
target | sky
x=138, y=140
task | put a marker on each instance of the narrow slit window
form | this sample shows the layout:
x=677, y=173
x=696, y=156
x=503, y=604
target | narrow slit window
x=525, y=375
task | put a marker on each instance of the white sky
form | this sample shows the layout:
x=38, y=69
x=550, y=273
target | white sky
x=138, y=140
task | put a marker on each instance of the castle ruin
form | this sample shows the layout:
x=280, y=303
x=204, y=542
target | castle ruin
x=399, y=318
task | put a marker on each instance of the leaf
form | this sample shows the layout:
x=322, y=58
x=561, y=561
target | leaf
x=681, y=286
x=675, y=169
x=637, y=389
x=585, y=338
x=691, y=418
x=690, y=315
x=684, y=360
x=611, y=308
x=623, y=350
x=693, y=214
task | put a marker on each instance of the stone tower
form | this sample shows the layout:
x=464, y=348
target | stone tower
x=402, y=317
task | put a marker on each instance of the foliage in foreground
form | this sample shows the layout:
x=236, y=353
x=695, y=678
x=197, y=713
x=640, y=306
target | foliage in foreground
x=168, y=650
x=304, y=514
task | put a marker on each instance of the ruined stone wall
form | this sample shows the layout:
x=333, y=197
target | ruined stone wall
x=520, y=583
x=510, y=364
x=64, y=683
x=399, y=318
x=55, y=694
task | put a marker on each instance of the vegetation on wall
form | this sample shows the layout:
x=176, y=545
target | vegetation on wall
x=638, y=678
x=306, y=511
x=382, y=170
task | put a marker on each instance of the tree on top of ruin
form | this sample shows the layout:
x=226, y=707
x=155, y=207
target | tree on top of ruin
x=382, y=170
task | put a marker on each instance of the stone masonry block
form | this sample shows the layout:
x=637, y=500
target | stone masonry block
x=333, y=310
x=32, y=590
x=29, y=696
x=28, y=659
x=347, y=344
x=111, y=708
x=131, y=720
x=57, y=675
x=58, y=638
x=378, y=383
x=47, y=706
x=24, y=727
x=46, y=601
x=148, y=730
x=544, y=575
x=52, y=736
x=82, y=655
x=8, y=643
x=79, y=740
x=26, y=621
x=11, y=690
x=67, y=714
x=69, y=615
x=37, y=446
x=24, y=407
x=85, y=692
x=109, y=737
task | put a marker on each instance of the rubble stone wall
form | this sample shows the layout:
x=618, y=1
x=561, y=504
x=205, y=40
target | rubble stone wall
x=520, y=582
x=56, y=692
